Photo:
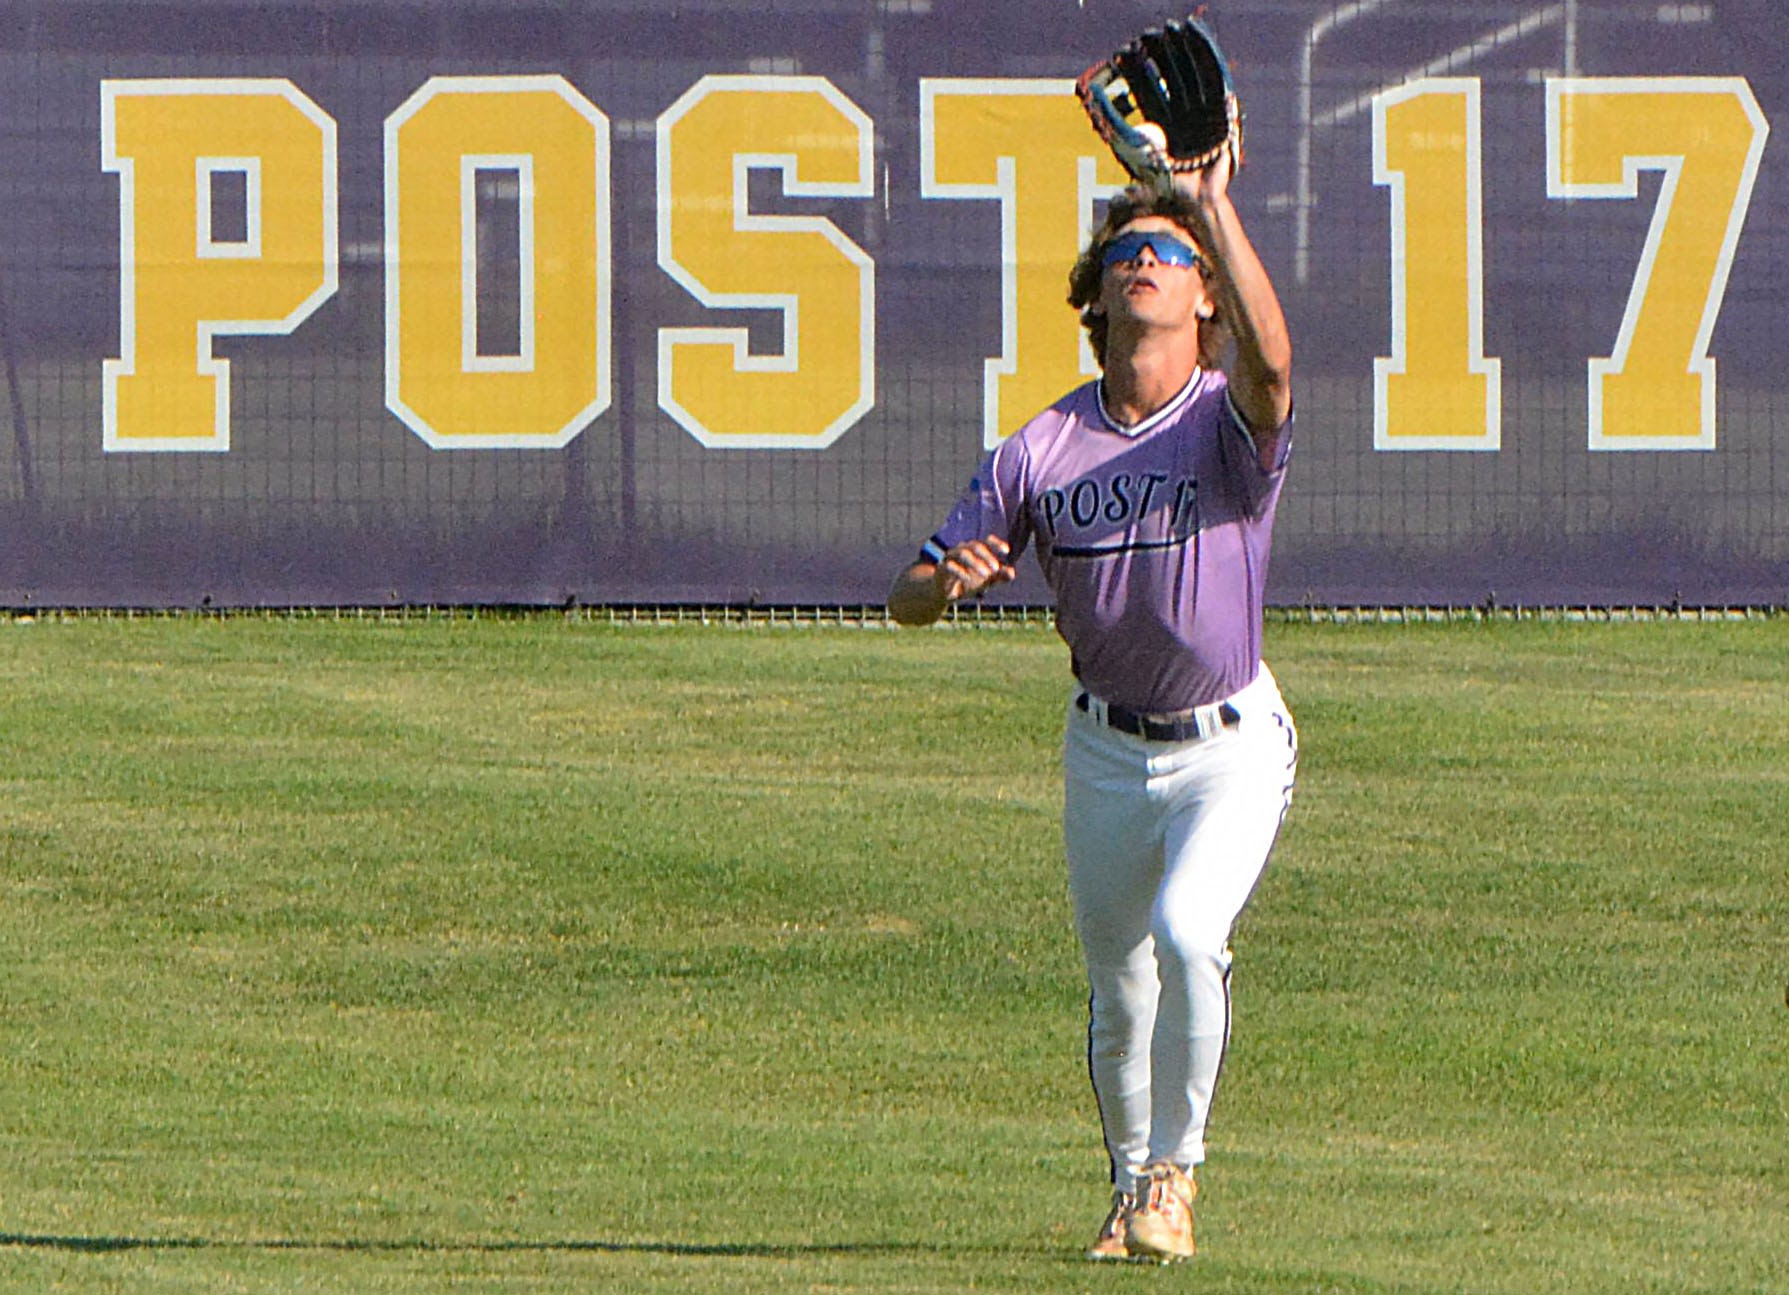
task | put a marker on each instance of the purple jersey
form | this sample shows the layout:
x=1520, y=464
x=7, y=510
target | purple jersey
x=1154, y=539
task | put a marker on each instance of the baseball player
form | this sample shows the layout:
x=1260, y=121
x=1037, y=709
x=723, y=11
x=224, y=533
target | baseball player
x=1149, y=496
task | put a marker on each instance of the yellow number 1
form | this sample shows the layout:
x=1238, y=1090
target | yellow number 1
x=1437, y=390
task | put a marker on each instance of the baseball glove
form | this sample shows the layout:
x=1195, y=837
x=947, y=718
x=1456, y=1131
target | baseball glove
x=1165, y=103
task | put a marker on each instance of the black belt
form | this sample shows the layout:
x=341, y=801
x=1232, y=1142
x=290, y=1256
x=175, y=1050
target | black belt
x=1153, y=728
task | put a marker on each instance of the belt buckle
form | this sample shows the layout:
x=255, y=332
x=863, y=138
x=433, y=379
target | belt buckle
x=1178, y=726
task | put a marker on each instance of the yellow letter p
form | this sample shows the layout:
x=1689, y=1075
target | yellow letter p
x=187, y=276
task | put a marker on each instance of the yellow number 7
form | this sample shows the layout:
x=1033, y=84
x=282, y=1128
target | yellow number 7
x=1705, y=134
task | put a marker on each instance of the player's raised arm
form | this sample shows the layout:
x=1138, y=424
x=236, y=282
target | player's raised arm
x=1261, y=371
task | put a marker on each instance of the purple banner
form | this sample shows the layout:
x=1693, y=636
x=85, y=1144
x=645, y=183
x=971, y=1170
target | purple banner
x=355, y=303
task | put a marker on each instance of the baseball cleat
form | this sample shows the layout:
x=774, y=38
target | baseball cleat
x=1110, y=1243
x=1159, y=1224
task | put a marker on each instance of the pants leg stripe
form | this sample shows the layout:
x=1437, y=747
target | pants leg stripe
x=1105, y=1138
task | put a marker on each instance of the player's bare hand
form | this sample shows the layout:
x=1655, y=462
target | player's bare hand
x=1211, y=183
x=973, y=567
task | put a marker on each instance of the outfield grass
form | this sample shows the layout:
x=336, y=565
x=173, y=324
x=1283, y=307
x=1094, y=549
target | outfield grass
x=542, y=955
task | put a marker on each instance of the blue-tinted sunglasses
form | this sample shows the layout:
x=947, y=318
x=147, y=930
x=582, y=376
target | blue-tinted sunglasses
x=1168, y=249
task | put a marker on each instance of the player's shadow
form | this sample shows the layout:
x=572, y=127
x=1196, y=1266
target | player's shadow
x=742, y=1250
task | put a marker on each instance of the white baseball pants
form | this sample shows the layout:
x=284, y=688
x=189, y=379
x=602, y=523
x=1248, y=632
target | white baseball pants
x=1165, y=842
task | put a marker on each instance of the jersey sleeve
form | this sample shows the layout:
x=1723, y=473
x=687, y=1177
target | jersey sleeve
x=1243, y=459
x=994, y=503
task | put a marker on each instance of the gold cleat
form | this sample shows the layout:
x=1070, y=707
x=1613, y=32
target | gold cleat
x=1159, y=1223
x=1110, y=1244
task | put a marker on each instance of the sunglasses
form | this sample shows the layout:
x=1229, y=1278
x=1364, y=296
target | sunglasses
x=1168, y=250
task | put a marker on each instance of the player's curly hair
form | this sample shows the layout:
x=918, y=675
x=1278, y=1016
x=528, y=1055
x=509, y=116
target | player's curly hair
x=1084, y=278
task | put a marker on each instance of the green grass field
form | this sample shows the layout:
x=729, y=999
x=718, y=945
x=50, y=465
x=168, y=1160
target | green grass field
x=535, y=955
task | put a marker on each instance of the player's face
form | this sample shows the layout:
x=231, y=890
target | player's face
x=1153, y=279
